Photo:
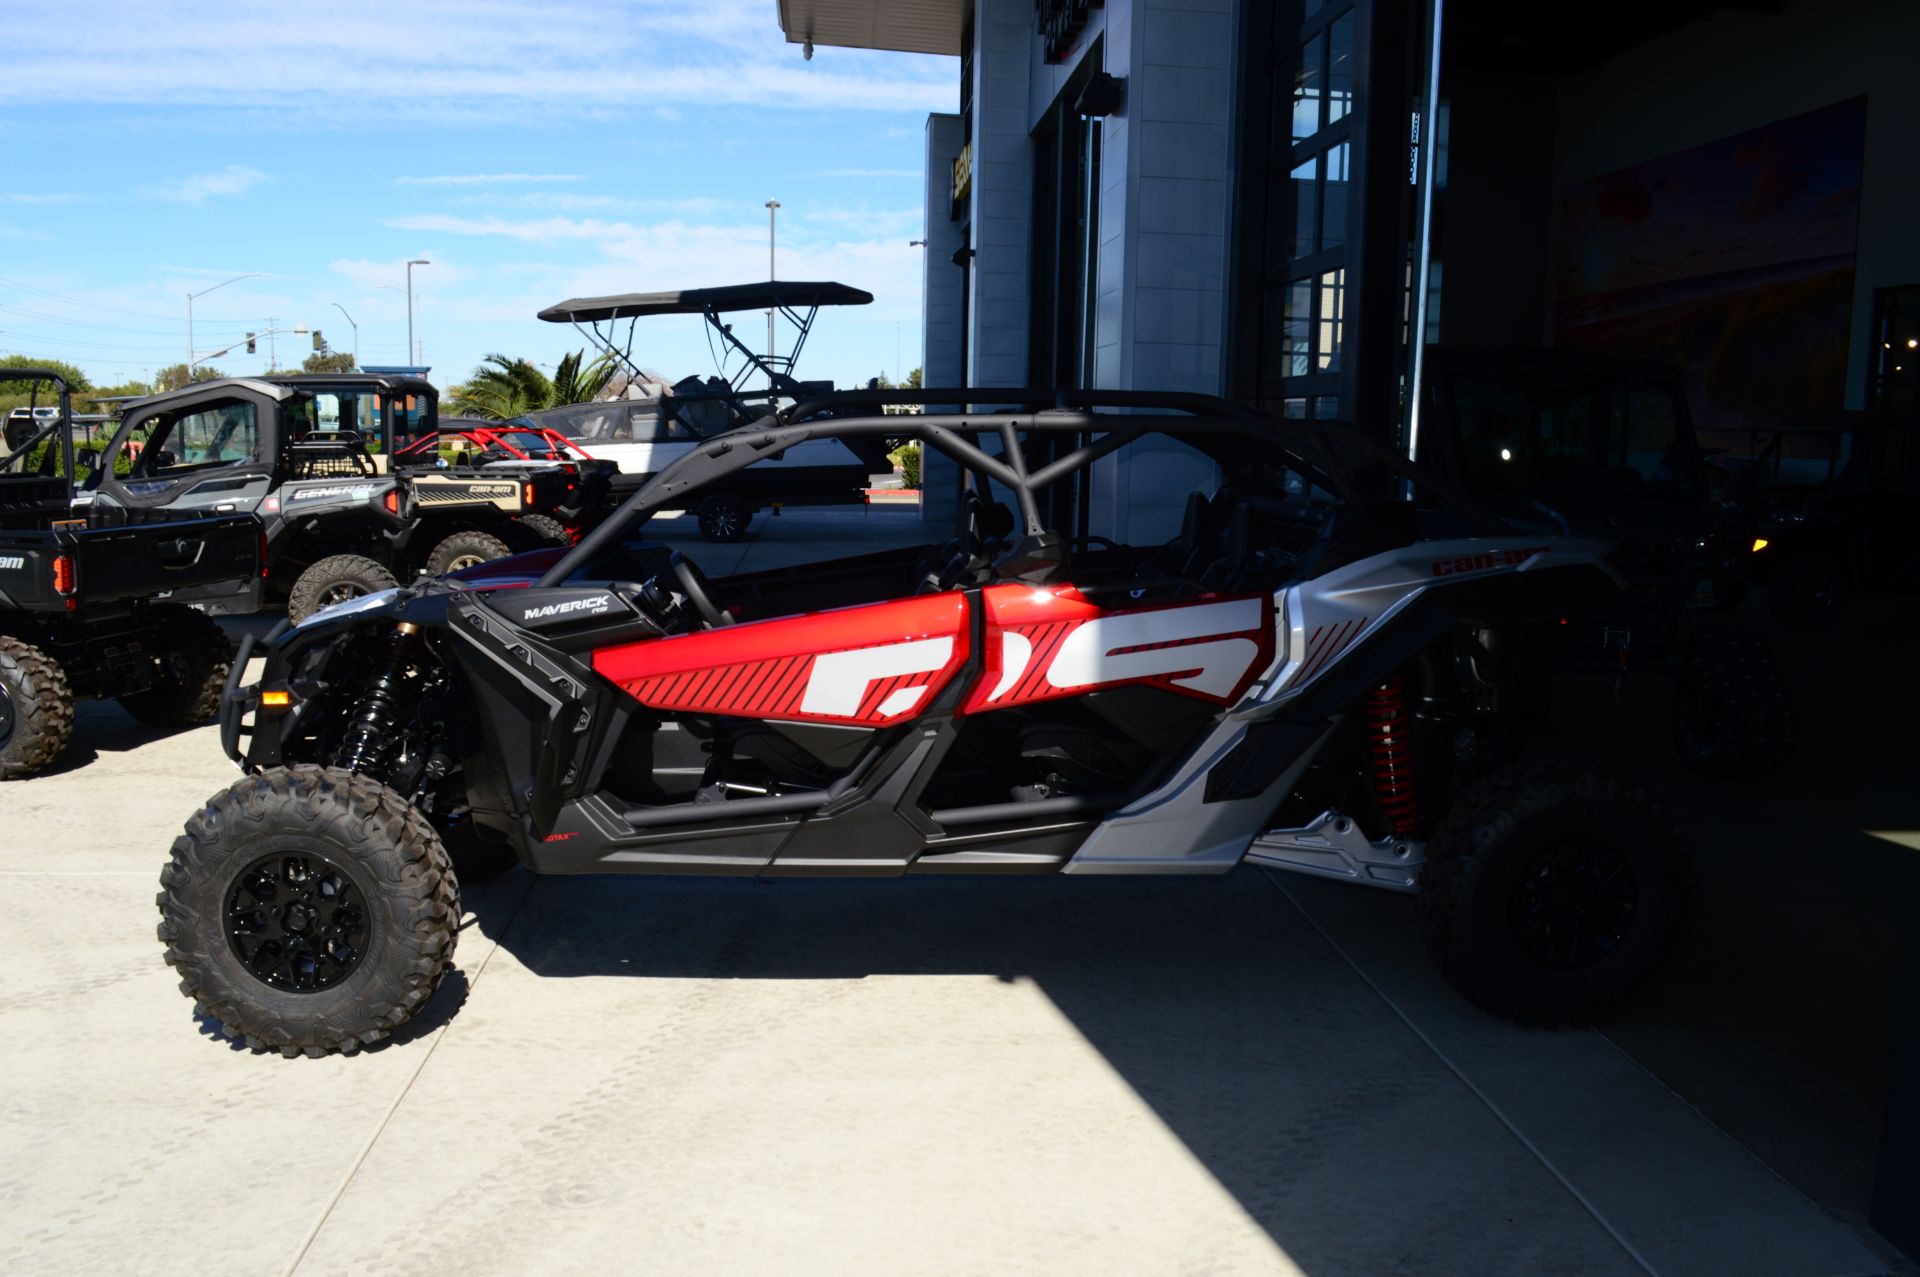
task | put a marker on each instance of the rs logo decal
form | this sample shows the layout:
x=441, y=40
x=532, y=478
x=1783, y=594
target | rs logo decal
x=1044, y=644
x=839, y=681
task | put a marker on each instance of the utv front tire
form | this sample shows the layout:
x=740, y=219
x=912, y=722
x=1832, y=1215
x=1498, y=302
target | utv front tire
x=36, y=710
x=1552, y=892
x=336, y=579
x=465, y=550
x=309, y=911
x=193, y=657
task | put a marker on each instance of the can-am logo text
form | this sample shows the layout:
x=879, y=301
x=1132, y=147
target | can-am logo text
x=12, y=562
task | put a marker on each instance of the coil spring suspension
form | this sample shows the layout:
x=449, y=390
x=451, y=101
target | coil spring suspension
x=1390, y=752
x=372, y=734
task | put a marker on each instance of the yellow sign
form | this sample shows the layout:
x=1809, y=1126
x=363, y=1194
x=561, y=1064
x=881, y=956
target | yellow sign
x=963, y=173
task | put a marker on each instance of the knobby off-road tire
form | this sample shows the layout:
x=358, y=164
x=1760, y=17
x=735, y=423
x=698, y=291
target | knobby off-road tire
x=546, y=527
x=36, y=710
x=1551, y=892
x=194, y=656
x=465, y=550
x=382, y=859
x=1731, y=716
x=336, y=579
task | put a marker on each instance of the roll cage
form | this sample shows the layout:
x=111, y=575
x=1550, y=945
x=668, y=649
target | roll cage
x=1069, y=425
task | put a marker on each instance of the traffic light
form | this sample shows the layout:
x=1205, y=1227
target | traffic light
x=319, y=342
x=250, y=349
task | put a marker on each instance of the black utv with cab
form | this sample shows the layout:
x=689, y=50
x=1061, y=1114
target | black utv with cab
x=312, y=457
x=93, y=611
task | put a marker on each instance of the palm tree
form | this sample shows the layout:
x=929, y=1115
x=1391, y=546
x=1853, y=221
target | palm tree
x=502, y=388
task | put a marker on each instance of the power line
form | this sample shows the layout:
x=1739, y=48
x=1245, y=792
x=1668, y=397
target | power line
x=236, y=326
x=114, y=310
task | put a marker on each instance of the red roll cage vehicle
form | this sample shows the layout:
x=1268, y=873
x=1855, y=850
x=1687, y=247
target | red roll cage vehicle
x=1306, y=676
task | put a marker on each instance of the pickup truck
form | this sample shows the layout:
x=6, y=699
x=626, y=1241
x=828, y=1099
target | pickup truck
x=92, y=612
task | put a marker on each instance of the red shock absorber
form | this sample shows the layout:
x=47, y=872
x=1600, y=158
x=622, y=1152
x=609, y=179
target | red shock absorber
x=1390, y=752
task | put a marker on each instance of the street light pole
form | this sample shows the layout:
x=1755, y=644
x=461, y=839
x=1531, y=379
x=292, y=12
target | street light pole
x=773, y=211
x=258, y=274
x=356, y=335
x=412, y=356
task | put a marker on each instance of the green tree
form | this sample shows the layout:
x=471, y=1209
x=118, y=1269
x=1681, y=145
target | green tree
x=19, y=394
x=502, y=388
x=174, y=376
x=328, y=361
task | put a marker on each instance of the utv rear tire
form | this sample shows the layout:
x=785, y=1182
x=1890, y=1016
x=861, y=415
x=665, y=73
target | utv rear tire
x=725, y=518
x=1731, y=715
x=36, y=710
x=465, y=550
x=335, y=580
x=194, y=656
x=347, y=863
x=547, y=528
x=1552, y=892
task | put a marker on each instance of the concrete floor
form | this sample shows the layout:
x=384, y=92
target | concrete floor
x=1234, y=1075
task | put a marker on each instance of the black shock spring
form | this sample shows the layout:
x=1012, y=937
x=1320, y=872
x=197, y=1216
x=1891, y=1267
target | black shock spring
x=372, y=733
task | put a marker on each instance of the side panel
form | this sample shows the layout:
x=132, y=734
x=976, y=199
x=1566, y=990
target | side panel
x=869, y=665
x=1043, y=644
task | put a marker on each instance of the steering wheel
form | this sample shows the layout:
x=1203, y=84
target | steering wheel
x=694, y=582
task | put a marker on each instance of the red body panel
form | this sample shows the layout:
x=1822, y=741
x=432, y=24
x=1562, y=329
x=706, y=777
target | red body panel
x=869, y=665
x=1045, y=643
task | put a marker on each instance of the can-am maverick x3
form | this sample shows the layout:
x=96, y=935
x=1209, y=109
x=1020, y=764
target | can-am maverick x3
x=1304, y=677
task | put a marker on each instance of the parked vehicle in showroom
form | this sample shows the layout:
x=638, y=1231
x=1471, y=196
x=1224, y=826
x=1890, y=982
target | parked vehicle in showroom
x=642, y=436
x=91, y=612
x=1578, y=444
x=1304, y=677
x=310, y=455
x=1823, y=506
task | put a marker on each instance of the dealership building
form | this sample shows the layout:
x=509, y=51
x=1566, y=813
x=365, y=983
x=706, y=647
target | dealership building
x=1267, y=200
x=1295, y=204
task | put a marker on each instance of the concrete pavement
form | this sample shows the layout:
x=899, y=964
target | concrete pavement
x=1236, y=1075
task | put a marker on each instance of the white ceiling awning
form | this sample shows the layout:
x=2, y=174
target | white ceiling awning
x=905, y=26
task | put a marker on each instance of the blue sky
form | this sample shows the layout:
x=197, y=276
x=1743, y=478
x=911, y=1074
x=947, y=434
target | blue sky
x=530, y=151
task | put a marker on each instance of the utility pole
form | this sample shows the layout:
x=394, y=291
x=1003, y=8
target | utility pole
x=202, y=293
x=356, y=335
x=412, y=352
x=773, y=211
x=273, y=348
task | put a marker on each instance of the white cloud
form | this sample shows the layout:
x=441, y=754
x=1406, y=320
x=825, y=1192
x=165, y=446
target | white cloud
x=440, y=59
x=575, y=202
x=198, y=188
x=487, y=179
x=18, y=198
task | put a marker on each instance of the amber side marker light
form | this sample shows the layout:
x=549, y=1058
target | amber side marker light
x=1760, y=543
x=275, y=699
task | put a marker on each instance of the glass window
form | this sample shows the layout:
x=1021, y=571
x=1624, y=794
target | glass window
x=1306, y=206
x=1298, y=330
x=1332, y=286
x=1307, y=87
x=220, y=434
x=1652, y=447
x=1340, y=70
x=1333, y=203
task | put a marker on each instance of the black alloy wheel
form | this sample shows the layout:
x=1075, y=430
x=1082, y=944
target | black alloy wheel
x=1573, y=904
x=297, y=921
x=6, y=715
